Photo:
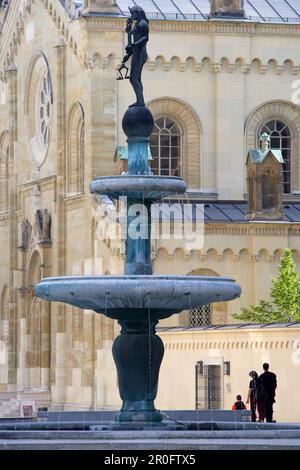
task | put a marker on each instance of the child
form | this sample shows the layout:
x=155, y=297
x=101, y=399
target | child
x=239, y=404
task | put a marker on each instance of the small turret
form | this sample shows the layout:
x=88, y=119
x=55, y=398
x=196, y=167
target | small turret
x=100, y=7
x=265, y=182
x=227, y=8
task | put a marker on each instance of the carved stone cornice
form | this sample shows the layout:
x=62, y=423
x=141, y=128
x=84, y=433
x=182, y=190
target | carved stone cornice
x=216, y=68
x=196, y=65
x=206, y=27
x=263, y=229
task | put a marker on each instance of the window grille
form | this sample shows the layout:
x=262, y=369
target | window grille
x=201, y=316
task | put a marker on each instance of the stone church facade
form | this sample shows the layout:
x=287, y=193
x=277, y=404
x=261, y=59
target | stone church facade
x=214, y=84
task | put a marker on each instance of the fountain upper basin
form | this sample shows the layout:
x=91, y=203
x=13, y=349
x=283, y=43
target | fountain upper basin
x=138, y=186
x=132, y=297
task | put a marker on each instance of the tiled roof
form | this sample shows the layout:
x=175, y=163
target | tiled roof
x=277, y=11
x=236, y=212
x=257, y=156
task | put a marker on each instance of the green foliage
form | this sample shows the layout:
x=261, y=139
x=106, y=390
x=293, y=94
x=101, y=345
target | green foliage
x=284, y=305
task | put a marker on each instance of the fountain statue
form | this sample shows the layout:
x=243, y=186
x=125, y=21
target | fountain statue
x=138, y=299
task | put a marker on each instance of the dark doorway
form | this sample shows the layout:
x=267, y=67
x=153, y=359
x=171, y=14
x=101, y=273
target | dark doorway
x=208, y=387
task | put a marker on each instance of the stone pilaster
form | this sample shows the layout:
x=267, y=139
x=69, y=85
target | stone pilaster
x=229, y=93
x=13, y=224
x=58, y=324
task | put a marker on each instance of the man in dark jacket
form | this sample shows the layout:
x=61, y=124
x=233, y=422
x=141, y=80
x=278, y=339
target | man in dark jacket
x=269, y=381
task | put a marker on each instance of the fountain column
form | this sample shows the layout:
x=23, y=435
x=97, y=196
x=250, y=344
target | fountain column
x=138, y=125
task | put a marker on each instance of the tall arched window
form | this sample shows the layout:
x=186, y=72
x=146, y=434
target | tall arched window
x=280, y=138
x=210, y=314
x=166, y=148
x=75, y=145
x=176, y=141
x=38, y=327
x=4, y=157
x=281, y=120
x=4, y=314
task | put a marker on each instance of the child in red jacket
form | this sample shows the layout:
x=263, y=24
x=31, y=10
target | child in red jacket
x=239, y=404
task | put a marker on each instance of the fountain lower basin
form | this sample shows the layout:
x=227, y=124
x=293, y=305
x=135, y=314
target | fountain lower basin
x=138, y=302
x=133, y=297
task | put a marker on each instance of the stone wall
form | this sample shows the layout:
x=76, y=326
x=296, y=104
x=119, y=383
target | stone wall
x=246, y=350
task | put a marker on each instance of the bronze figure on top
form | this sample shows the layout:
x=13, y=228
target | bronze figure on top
x=137, y=29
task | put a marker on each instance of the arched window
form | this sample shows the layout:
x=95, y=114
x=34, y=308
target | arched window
x=201, y=316
x=38, y=324
x=281, y=120
x=4, y=314
x=75, y=155
x=280, y=139
x=166, y=148
x=4, y=157
x=176, y=140
x=7, y=341
x=38, y=108
x=205, y=315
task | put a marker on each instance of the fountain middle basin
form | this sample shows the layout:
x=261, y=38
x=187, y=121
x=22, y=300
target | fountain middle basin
x=135, y=297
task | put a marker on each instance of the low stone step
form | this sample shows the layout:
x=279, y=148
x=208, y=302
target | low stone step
x=154, y=444
x=149, y=435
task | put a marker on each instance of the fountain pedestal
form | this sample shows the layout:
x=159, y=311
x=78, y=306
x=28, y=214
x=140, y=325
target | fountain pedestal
x=138, y=354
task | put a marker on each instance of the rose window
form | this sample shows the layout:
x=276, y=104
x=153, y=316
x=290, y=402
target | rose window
x=38, y=109
x=45, y=110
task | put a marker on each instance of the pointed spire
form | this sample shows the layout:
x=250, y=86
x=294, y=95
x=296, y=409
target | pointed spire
x=264, y=142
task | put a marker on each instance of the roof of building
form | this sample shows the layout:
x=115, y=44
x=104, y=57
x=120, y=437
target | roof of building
x=227, y=212
x=234, y=326
x=257, y=156
x=236, y=212
x=275, y=11
x=264, y=11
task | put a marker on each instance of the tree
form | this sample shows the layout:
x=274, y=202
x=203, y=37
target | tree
x=284, y=305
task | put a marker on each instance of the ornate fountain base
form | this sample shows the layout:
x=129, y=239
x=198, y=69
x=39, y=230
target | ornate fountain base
x=138, y=354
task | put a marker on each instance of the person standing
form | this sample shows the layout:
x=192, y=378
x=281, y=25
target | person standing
x=269, y=381
x=256, y=397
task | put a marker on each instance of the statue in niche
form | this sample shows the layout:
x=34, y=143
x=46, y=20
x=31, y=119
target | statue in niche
x=26, y=234
x=137, y=29
x=43, y=221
